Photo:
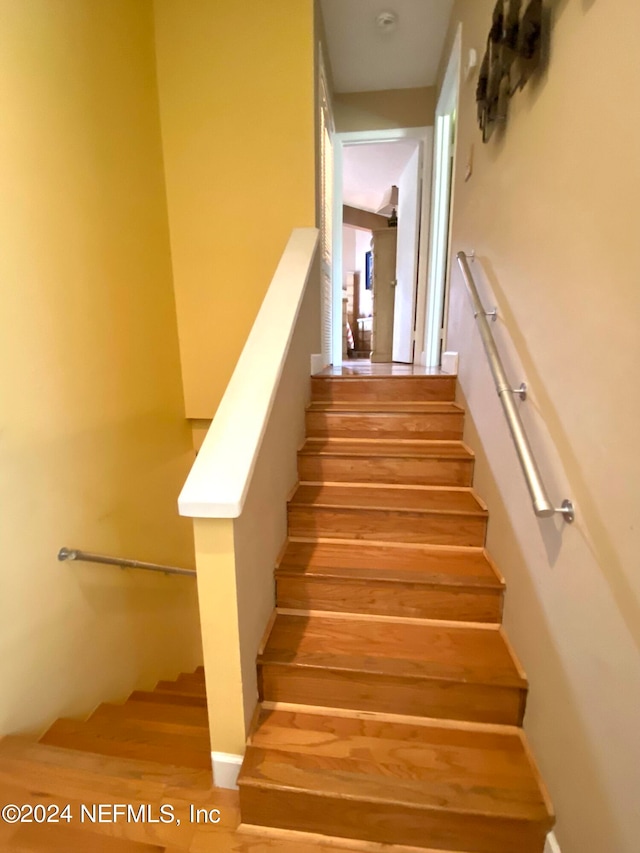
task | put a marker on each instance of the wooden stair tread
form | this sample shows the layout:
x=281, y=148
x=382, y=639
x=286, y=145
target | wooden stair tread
x=169, y=697
x=70, y=772
x=62, y=838
x=454, y=768
x=373, y=448
x=184, y=688
x=390, y=562
x=382, y=407
x=414, y=650
x=387, y=388
x=417, y=499
x=174, y=715
x=118, y=740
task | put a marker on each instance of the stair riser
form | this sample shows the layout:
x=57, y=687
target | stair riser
x=443, y=426
x=419, y=697
x=386, y=599
x=171, y=715
x=387, y=525
x=90, y=742
x=169, y=698
x=409, y=471
x=379, y=389
x=390, y=823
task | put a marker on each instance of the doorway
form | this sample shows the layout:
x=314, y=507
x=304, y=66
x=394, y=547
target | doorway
x=409, y=281
x=443, y=175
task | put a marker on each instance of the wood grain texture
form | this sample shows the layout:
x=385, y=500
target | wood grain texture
x=468, y=568
x=391, y=525
x=398, y=823
x=61, y=838
x=466, y=770
x=435, y=463
x=440, y=516
x=371, y=388
x=425, y=425
x=391, y=598
x=443, y=500
x=388, y=621
x=398, y=668
x=131, y=741
x=381, y=578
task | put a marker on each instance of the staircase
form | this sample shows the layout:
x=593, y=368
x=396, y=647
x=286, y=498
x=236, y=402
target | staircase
x=391, y=703
x=152, y=750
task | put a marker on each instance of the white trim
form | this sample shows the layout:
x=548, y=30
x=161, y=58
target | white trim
x=219, y=480
x=441, y=206
x=361, y=137
x=317, y=362
x=426, y=172
x=226, y=767
x=370, y=137
x=552, y=845
x=336, y=252
x=450, y=363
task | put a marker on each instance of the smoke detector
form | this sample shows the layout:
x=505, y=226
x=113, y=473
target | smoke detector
x=386, y=22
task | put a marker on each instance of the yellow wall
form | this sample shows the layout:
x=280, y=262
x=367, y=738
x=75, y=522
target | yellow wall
x=237, y=112
x=551, y=211
x=93, y=442
x=384, y=110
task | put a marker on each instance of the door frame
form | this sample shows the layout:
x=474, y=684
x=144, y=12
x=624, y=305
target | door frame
x=443, y=190
x=367, y=137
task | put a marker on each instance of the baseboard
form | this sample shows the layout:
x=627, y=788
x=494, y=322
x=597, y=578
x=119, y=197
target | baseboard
x=226, y=768
x=317, y=363
x=449, y=362
x=552, y=845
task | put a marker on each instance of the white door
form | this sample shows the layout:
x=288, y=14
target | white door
x=407, y=259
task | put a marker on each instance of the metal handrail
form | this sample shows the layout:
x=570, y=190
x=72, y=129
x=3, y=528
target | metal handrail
x=85, y=556
x=542, y=506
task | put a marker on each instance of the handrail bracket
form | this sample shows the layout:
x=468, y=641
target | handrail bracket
x=542, y=506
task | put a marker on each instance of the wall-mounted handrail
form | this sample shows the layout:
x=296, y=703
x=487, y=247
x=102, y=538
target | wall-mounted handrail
x=86, y=557
x=542, y=506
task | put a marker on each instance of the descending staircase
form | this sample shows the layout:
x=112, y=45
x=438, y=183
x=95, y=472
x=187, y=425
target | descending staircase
x=391, y=703
x=152, y=750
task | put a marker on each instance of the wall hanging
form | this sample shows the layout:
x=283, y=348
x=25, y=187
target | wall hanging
x=512, y=55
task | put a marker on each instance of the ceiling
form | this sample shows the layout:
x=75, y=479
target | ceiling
x=369, y=170
x=365, y=58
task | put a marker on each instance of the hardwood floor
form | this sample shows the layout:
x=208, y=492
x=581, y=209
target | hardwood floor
x=143, y=755
x=391, y=700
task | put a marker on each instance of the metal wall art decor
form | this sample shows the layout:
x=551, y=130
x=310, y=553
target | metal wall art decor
x=512, y=55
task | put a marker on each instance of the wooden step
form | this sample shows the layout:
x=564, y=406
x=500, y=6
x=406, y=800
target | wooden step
x=425, y=669
x=432, y=516
x=131, y=739
x=171, y=716
x=188, y=689
x=427, y=463
x=191, y=679
x=386, y=388
x=62, y=838
x=417, y=421
x=389, y=579
x=60, y=776
x=169, y=697
x=446, y=787
x=74, y=773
